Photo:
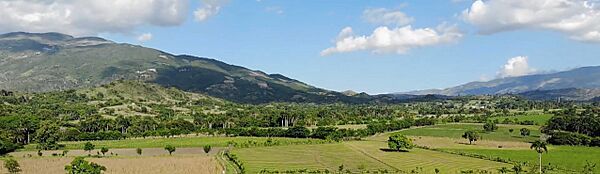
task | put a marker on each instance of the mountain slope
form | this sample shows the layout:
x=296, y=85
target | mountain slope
x=53, y=61
x=576, y=80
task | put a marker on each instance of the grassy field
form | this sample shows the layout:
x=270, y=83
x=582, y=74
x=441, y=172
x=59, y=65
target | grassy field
x=568, y=157
x=355, y=155
x=161, y=142
x=447, y=137
x=457, y=130
x=539, y=119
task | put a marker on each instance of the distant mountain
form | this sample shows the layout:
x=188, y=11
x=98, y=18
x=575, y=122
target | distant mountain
x=53, y=61
x=568, y=94
x=578, y=84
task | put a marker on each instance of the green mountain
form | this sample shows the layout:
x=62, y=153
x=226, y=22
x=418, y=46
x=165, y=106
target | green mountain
x=36, y=62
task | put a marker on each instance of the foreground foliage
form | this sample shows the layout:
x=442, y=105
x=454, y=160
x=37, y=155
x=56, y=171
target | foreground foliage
x=80, y=166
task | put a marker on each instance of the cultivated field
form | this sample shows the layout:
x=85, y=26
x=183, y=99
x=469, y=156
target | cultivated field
x=356, y=155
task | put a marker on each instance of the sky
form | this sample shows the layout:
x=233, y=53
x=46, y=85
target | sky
x=367, y=46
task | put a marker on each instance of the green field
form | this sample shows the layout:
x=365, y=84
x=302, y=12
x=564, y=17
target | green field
x=540, y=119
x=177, y=142
x=567, y=157
x=355, y=155
x=457, y=130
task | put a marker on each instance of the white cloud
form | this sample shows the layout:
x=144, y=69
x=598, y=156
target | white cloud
x=396, y=40
x=144, y=37
x=578, y=19
x=209, y=8
x=89, y=17
x=384, y=16
x=516, y=66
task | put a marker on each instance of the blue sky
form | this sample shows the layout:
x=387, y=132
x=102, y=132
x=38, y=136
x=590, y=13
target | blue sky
x=287, y=37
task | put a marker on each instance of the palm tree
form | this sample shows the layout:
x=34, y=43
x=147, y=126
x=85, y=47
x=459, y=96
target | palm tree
x=539, y=147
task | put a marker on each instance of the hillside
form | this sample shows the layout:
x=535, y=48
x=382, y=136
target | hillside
x=576, y=84
x=130, y=98
x=37, y=62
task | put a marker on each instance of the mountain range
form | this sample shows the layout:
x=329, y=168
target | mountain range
x=576, y=84
x=39, y=62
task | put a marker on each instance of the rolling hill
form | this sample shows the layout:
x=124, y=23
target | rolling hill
x=37, y=62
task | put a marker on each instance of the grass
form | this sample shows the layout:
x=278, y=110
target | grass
x=346, y=126
x=569, y=157
x=448, y=137
x=147, y=165
x=538, y=119
x=161, y=142
x=457, y=130
x=354, y=155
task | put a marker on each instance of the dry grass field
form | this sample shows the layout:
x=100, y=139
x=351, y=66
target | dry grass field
x=152, y=161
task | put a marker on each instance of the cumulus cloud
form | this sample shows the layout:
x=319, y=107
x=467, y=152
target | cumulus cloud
x=578, y=19
x=144, y=37
x=383, y=16
x=89, y=17
x=395, y=40
x=209, y=8
x=516, y=66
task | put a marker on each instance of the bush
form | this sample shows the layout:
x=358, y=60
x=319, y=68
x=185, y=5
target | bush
x=138, y=151
x=7, y=146
x=170, y=149
x=490, y=127
x=12, y=165
x=81, y=166
x=207, y=148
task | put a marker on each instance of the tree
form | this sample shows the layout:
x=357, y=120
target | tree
x=7, y=146
x=81, y=166
x=490, y=126
x=47, y=136
x=525, y=132
x=88, y=147
x=471, y=136
x=138, y=151
x=103, y=150
x=511, y=130
x=539, y=147
x=399, y=141
x=12, y=165
x=170, y=149
x=207, y=148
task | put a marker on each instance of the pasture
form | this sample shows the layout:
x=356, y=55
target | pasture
x=184, y=141
x=456, y=130
x=538, y=119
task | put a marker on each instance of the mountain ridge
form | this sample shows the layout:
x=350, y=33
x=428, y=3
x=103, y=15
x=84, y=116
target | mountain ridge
x=576, y=81
x=37, y=62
